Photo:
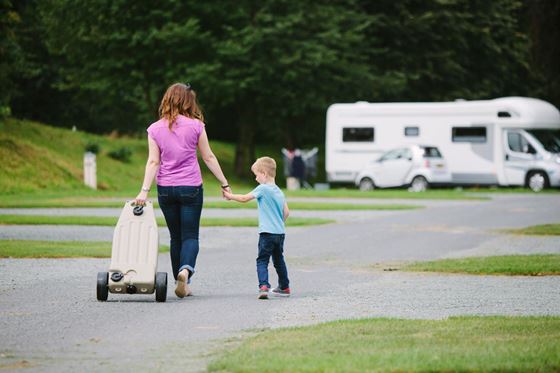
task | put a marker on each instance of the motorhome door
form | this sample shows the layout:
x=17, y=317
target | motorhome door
x=519, y=156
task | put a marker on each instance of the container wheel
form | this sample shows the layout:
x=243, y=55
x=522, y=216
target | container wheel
x=102, y=286
x=161, y=286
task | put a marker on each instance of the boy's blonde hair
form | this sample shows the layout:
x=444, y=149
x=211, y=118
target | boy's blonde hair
x=266, y=165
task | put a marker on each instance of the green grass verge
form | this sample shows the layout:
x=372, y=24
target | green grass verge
x=458, y=344
x=62, y=202
x=539, y=230
x=297, y=205
x=111, y=221
x=89, y=198
x=57, y=249
x=506, y=189
x=517, y=265
x=437, y=194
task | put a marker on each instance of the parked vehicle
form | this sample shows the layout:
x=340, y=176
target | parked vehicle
x=415, y=165
x=505, y=141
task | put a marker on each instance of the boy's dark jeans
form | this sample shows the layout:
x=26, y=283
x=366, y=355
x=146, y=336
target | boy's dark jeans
x=272, y=245
x=181, y=206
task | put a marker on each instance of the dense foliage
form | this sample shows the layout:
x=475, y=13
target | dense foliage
x=266, y=71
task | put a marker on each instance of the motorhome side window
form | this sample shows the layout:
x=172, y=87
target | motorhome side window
x=412, y=131
x=468, y=134
x=358, y=134
x=518, y=143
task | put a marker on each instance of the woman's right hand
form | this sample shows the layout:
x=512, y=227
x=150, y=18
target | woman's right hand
x=141, y=198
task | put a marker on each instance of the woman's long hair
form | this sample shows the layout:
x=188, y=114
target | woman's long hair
x=179, y=99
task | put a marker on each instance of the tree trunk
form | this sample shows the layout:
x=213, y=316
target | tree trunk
x=152, y=107
x=245, y=147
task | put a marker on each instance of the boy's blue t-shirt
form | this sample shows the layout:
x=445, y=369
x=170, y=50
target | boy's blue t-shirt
x=270, y=200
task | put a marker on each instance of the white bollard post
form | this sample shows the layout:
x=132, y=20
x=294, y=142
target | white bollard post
x=90, y=170
x=292, y=183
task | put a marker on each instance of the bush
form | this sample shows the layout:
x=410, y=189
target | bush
x=122, y=154
x=92, y=147
x=5, y=112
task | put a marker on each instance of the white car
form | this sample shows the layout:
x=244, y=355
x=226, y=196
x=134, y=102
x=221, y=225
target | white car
x=417, y=166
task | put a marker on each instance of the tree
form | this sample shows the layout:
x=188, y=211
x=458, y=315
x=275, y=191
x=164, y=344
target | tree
x=9, y=54
x=446, y=49
x=282, y=61
x=125, y=52
x=543, y=20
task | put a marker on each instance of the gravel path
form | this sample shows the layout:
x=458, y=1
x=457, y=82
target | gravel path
x=50, y=320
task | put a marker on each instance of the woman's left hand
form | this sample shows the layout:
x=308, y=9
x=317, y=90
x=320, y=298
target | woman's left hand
x=226, y=190
x=141, y=198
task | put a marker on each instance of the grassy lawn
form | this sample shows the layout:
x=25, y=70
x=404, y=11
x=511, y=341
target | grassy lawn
x=516, y=265
x=111, y=221
x=57, y=249
x=458, y=344
x=38, y=158
x=539, y=230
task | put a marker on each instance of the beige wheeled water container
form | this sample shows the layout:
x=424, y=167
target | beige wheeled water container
x=134, y=256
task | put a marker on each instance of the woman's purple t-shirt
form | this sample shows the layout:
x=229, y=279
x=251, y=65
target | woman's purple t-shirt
x=177, y=147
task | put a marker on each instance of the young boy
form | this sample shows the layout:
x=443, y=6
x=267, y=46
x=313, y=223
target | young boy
x=273, y=212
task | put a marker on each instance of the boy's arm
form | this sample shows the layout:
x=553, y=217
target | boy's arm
x=286, y=211
x=239, y=197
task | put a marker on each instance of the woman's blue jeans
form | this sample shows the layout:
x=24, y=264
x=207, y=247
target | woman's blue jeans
x=181, y=207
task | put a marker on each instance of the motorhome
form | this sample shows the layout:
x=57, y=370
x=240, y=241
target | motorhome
x=503, y=141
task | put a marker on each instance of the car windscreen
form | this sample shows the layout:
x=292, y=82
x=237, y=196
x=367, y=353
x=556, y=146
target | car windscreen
x=550, y=139
x=431, y=152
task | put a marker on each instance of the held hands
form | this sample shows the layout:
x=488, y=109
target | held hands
x=226, y=192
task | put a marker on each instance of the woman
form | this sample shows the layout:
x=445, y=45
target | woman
x=173, y=142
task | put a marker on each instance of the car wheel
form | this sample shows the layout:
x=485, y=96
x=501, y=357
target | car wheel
x=537, y=181
x=366, y=184
x=419, y=184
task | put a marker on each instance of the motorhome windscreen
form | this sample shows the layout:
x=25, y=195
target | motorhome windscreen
x=357, y=134
x=550, y=139
x=468, y=134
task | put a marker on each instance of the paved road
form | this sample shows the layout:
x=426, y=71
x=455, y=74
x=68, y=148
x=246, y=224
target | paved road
x=50, y=320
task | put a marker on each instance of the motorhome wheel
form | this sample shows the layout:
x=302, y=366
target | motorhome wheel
x=537, y=181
